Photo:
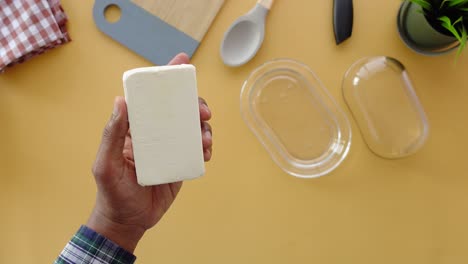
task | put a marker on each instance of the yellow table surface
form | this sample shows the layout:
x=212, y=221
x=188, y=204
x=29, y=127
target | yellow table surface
x=246, y=209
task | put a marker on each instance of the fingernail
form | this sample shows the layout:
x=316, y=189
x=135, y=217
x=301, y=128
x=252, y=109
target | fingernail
x=115, y=112
x=208, y=155
x=208, y=134
x=207, y=109
x=203, y=101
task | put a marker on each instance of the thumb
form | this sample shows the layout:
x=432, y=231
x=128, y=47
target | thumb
x=181, y=58
x=113, y=138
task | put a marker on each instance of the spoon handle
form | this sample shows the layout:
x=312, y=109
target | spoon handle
x=266, y=3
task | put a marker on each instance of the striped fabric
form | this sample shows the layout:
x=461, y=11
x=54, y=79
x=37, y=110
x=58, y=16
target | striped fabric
x=89, y=247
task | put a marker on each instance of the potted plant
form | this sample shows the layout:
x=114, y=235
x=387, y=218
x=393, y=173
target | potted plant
x=434, y=27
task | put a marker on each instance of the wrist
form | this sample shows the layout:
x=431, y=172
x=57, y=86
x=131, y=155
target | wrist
x=126, y=236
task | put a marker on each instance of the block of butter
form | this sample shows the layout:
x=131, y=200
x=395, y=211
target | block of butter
x=164, y=122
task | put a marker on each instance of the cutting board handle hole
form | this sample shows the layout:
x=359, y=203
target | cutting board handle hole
x=112, y=13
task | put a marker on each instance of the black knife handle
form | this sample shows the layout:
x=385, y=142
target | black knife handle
x=343, y=19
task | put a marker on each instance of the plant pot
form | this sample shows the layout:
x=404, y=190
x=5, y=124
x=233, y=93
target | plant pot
x=419, y=35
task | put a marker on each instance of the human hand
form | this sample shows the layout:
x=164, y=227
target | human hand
x=124, y=210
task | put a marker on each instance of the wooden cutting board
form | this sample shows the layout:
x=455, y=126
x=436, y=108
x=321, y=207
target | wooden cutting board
x=158, y=29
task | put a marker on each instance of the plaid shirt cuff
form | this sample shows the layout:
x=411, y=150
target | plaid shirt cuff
x=89, y=247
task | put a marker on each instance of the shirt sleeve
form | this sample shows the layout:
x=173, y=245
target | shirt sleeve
x=89, y=247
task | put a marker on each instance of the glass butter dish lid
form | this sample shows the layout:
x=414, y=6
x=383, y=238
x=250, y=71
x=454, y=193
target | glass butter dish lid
x=296, y=120
x=379, y=93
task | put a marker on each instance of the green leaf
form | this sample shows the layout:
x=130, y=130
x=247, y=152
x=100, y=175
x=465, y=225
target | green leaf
x=463, y=41
x=447, y=24
x=455, y=3
x=460, y=34
x=460, y=19
x=462, y=44
x=443, y=3
x=425, y=4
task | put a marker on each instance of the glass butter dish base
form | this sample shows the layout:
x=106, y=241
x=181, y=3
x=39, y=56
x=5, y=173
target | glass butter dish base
x=380, y=94
x=297, y=121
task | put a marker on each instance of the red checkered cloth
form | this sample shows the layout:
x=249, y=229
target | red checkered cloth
x=29, y=28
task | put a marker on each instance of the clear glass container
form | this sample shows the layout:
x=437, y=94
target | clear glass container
x=379, y=93
x=294, y=117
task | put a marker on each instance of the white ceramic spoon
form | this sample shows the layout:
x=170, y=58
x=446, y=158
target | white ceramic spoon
x=245, y=36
